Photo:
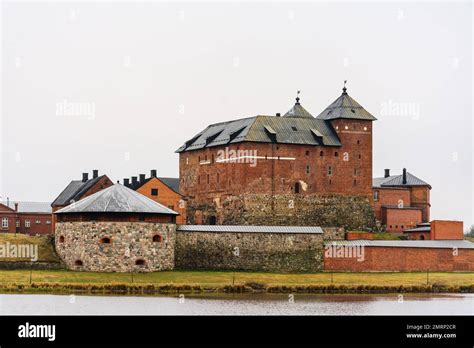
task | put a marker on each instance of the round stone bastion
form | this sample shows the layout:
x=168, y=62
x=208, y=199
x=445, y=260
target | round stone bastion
x=116, y=230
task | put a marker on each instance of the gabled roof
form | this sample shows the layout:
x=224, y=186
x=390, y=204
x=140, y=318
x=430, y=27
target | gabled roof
x=30, y=207
x=345, y=107
x=172, y=183
x=265, y=129
x=397, y=181
x=74, y=191
x=117, y=199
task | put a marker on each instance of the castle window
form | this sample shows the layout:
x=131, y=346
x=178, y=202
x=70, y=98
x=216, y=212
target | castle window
x=376, y=195
x=321, y=153
x=422, y=237
x=78, y=263
x=157, y=238
x=212, y=220
x=307, y=153
x=346, y=127
x=105, y=240
x=217, y=177
x=4, y=222
x=355, y=171
x=355, y=182
x=61, y=239
x=140, y=262
x=329, y=170
x=336, y=154
x=358, y=142
x=294, y=128
x=297, y=187
x=208, y=178
x=154, y=192
x=307, y=169
x=27, y=223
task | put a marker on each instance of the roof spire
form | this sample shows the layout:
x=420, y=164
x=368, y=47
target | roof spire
x=297, y=97
x=344, y=89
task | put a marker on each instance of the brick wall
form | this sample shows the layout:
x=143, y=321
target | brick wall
x=399, y=219
x=444, y=229
x=39, y=223
x=393, y=259
x=391, y=196
x=165, y=196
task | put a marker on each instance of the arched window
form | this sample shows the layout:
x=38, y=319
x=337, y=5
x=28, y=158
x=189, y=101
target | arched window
x=78, y=263
x=297, y=187
x=157, y=238
x=422, y=237
x=140, y=262
x=61, y=239
x=105, y=240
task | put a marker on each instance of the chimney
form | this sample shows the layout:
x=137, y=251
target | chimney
x=126, y=182
x=142, y=178
x=153, y=173
x=278, y=114
x=387, y=173
x=85, y=177
x=16, y=206
x=134, y=181
x=95, y=174
x=404, y=176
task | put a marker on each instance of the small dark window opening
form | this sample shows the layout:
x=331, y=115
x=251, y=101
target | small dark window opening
x=307, y=153
x=353, y=111
x=157, y=238
x=321, y=153
x=294, y=128
x=360, y=156
x=358, y=142
x=140, y=262
x=336, y=154
x=355, y=182
x=61, y=239
x=78, y=263
x=154, y=192
x=307, y=169
x=105, y=240
x=212, y=158
x=422, y=237
x=208, y=178
x=212, y=220
x=297, y=187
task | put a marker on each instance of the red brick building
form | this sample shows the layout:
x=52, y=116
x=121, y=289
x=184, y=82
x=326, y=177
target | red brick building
x=401, y=202
x=299, y=154
x=26, y=217
x=160, y=189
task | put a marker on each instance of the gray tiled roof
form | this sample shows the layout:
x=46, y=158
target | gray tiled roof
x=172, y=183
x=397, y=181
x=117, y=199
x=445, y=244
x=298, y=111
x=345, y=107
x=250, y=229
x=74, y=191
x=289, y=130
x=419, y=229
x=30, y=207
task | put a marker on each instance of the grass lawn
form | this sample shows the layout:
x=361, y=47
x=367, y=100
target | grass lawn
x=219, y=279
x=45, y=247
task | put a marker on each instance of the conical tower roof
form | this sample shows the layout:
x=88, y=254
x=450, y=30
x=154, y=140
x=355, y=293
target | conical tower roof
x=345, y=107
x=117, y=199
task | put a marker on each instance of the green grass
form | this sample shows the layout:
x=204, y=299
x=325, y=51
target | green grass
x=471, y=239
x=220, y=279
x=45, y=247
x=385, y=236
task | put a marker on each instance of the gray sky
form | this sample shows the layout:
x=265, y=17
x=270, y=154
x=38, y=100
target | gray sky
x=120, y=86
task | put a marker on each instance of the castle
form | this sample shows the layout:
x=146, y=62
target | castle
x=269, y=193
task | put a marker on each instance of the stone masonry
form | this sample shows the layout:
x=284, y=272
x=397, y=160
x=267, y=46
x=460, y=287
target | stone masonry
x=131, y=246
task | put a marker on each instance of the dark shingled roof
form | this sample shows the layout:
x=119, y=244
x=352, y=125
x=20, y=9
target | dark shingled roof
x=117, y=199
x=74, y=191
x=397, y=181
x=297, y=126
x=345, y=107
x=172, y=183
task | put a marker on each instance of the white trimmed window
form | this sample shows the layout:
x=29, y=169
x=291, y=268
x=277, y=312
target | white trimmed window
x=48, y=222
x=17, y=223
x=5, y=222
x=38, y=222
x=27, y=223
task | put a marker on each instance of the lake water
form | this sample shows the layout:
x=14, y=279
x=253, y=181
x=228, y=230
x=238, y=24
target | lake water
x=239, y=304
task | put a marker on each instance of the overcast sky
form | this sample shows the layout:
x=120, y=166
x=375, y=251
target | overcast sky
x=120, y=86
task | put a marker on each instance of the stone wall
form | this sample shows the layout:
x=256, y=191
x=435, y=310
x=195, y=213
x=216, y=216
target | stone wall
x=350, y=212
x=129, y=242
x=278, y=252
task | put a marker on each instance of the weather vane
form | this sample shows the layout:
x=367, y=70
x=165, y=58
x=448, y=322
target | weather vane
x=344, y=89
x=298, y=96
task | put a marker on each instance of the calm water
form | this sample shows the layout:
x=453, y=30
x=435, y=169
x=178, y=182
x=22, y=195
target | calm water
x=239, y=304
